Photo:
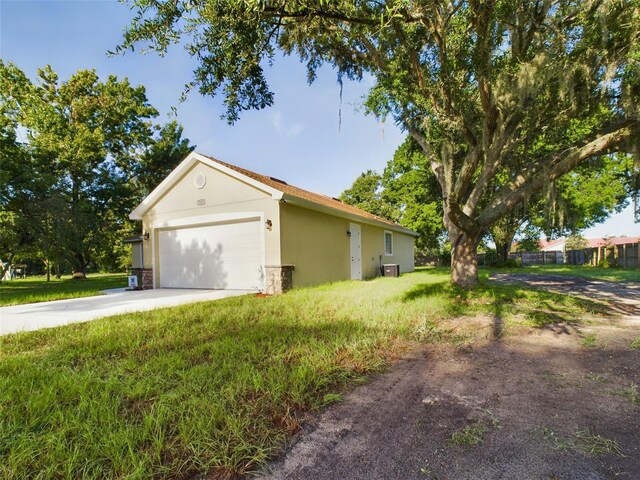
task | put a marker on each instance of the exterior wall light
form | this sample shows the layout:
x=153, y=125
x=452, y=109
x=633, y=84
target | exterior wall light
x=348, y=233
x=268, y=224
x=145, y=236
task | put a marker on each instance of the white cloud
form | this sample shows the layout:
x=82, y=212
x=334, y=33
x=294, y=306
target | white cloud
x=282, y=129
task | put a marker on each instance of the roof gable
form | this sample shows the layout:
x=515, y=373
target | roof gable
x=278, y=189
x=182, y=169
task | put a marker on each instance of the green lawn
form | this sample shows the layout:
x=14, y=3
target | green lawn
x=215, y=388
x=611, y=274
x=37, y=289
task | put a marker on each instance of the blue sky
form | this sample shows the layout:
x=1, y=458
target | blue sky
x=297, y=139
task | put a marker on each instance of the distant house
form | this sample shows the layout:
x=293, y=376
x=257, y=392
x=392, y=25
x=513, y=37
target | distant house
x=611, y=241
x=214, y=225
x=552, y=245
x=559, y=244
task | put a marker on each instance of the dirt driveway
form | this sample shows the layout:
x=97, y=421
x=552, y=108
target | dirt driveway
x=622, y=297
x=536, y=404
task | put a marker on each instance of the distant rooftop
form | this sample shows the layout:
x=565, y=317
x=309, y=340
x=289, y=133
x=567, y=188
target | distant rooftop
x=558, y=244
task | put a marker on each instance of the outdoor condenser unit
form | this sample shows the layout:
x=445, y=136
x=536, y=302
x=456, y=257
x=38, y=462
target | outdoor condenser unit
x=391, y=270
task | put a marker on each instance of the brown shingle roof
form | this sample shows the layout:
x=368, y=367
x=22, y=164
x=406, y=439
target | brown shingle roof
x=316, y=198
x=591, y=242
x=611, y=241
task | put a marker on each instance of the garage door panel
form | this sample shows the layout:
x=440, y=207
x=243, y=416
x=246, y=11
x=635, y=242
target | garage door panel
x=222, y=256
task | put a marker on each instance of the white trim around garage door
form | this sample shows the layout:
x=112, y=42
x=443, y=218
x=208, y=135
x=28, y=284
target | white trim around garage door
x=203, y=221
x=206, y=219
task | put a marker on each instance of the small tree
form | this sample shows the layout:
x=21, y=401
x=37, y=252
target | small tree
x=576, y=242
x=366, y=194
x=406, y=192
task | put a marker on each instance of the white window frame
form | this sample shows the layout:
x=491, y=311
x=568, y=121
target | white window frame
x=387, y=254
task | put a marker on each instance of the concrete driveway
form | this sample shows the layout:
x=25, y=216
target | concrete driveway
x=34, y=316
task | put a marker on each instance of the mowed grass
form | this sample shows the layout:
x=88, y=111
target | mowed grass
x=215, y=388
x=586, y=271
x=37, y=289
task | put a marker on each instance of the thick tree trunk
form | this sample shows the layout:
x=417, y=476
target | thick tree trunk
x=79, y=267
x=503, y=233
x=464, y=257
x=502, y=251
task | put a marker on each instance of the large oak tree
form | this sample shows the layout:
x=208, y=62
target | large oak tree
x=503, y=97
x=82, y=133
x=408, y=193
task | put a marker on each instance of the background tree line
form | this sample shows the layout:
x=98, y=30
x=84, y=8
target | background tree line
x=75, y=156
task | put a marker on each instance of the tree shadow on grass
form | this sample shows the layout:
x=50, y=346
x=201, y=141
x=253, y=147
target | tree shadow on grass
x=540, y=308
x=434, y=270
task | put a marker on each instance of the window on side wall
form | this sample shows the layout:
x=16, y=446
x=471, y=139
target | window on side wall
x=388, y=243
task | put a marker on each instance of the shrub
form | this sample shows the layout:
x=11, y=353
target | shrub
x=509, y=263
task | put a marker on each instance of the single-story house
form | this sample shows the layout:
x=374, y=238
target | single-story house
x=213, y=225
x=556, y=245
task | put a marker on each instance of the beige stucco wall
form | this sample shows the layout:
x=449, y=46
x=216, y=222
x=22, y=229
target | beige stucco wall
x=373, y=249
x=222, y=195
x=318, y=245
x=136, y=255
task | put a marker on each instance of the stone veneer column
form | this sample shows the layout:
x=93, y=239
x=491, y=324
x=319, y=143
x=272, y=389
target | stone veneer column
x=147, y=278
x=278, y=278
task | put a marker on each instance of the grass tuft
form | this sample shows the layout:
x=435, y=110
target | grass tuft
x=470, y=435
x=556, y=442
x=589, y=341
x=584, y=441
x=597, y=445
x=630, y=394
x=635, y=344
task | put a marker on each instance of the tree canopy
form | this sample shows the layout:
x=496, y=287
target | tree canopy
x=74, y=159
x=406, y=192
x=161, y=155
x=584, y=197
x=503, y=97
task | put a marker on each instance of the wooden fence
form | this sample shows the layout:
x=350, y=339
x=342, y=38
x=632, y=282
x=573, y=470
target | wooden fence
x=623, y=256
x=525, y=258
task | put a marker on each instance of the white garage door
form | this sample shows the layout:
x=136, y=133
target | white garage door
x=222, y=256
